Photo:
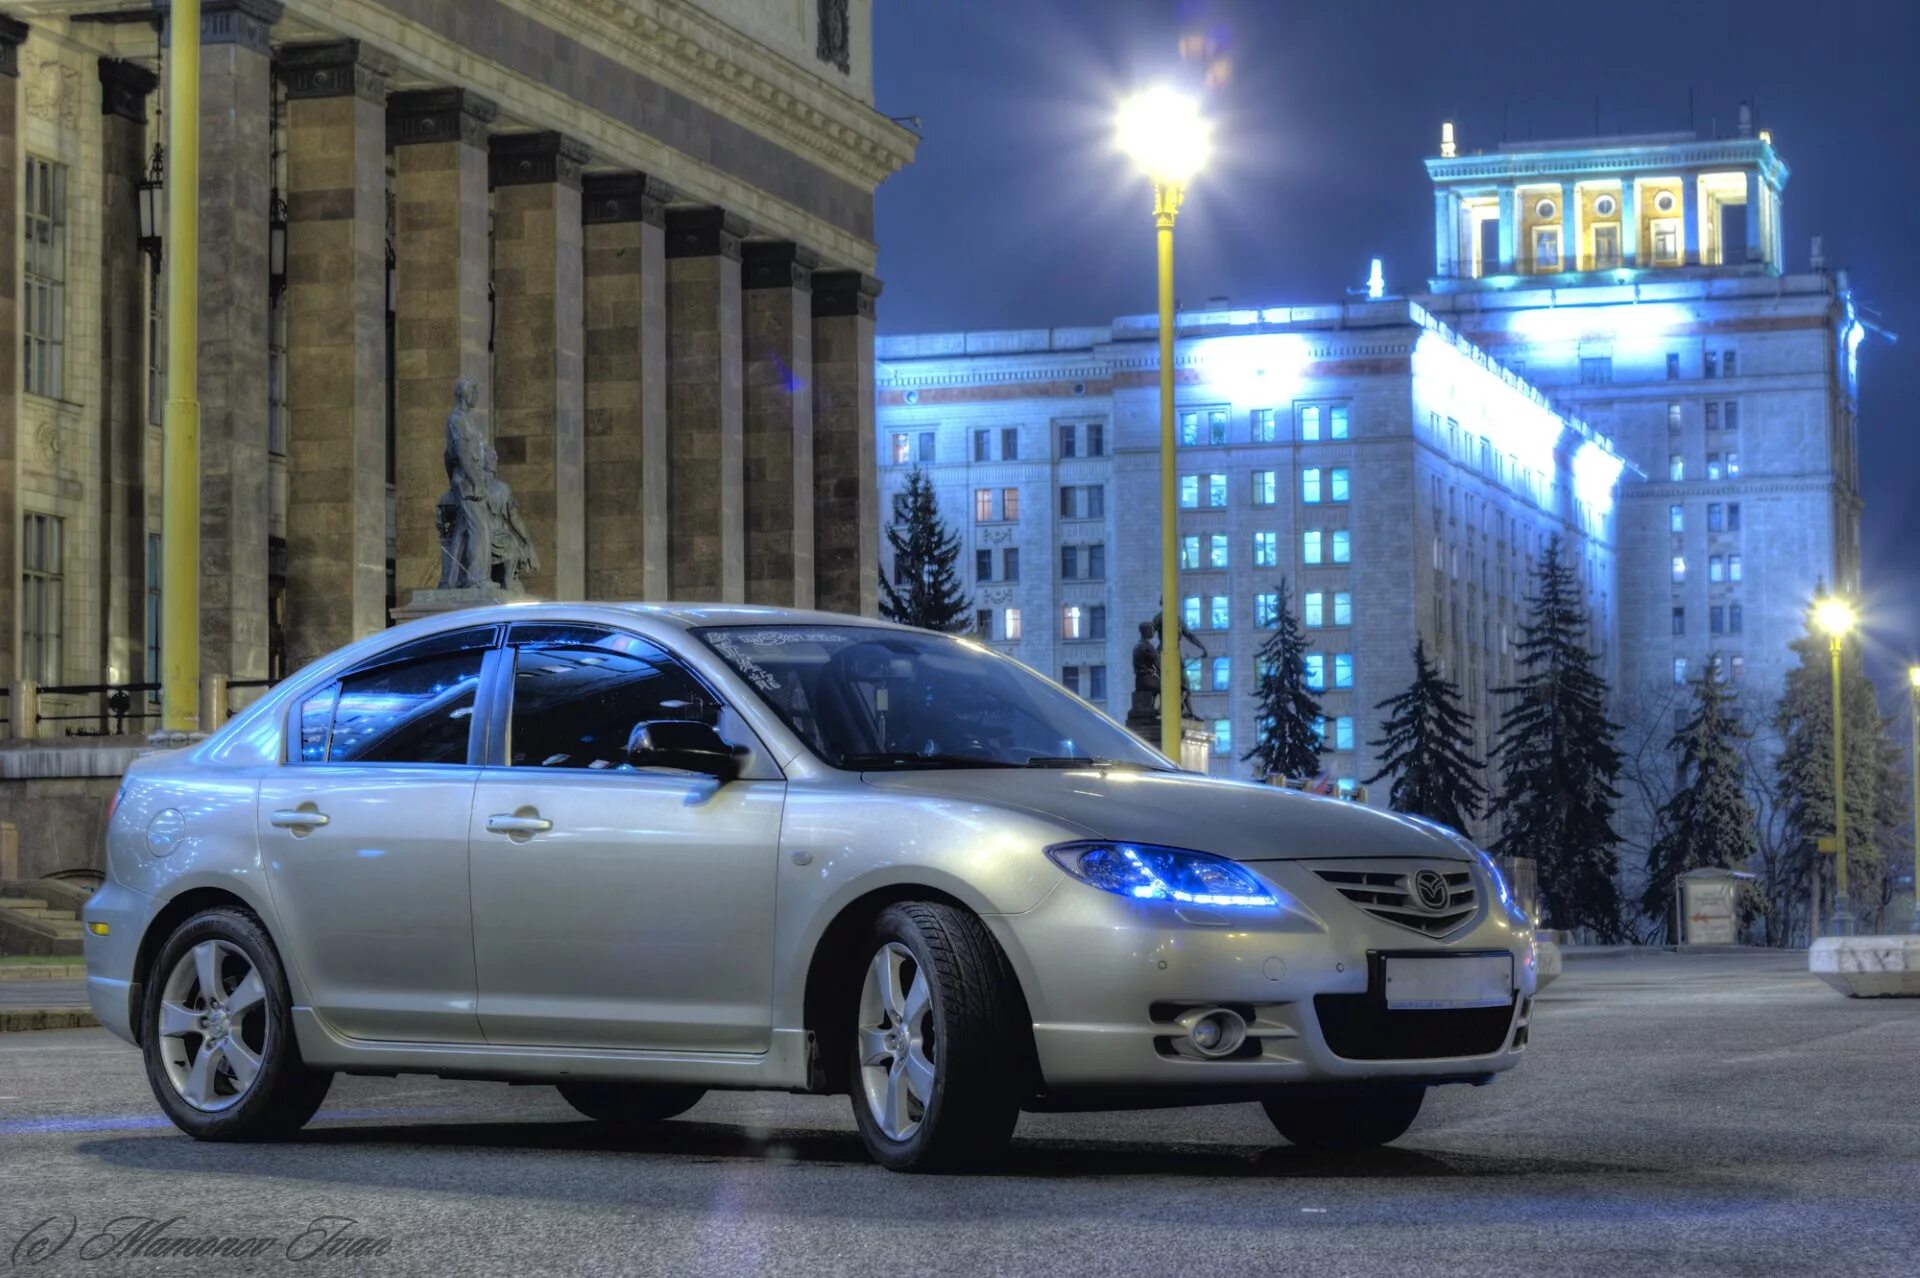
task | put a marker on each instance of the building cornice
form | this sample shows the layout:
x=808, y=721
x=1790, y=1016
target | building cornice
x=1604, y=161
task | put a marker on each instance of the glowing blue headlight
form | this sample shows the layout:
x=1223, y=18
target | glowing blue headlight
x=1145, y=872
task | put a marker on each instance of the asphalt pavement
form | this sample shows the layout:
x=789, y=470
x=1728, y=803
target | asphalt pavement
x=1678, y=1114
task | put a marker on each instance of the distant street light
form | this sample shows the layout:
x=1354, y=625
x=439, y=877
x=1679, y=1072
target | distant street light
x=1167, y=137
x=1913, y=683
x=1837, y=617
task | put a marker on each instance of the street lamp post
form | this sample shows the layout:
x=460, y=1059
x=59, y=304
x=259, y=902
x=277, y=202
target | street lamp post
x=1836, y=616
x=1913, y=708
x=1164, y=133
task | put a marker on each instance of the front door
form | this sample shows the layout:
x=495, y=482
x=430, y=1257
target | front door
x=364, y=836
x=616, y=906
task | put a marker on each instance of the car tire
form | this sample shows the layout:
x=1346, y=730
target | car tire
x=935, y=1034
x=1336, y=1120
x=630, y=1104
x=226, y=1067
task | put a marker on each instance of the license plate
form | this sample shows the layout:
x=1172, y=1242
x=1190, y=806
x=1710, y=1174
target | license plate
x=1455, y=980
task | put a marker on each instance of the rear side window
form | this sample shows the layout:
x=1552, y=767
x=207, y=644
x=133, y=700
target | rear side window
x=410, y=712
x=581, y=694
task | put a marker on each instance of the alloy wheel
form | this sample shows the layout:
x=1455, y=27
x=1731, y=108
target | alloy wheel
x=895, y=1033
x=214, y=1032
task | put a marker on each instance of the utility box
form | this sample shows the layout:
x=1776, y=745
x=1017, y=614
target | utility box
x=1710, y=906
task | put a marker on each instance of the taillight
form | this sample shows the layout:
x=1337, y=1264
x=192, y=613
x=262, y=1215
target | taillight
x=113, y=804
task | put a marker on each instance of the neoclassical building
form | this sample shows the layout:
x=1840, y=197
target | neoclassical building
x=644, y=228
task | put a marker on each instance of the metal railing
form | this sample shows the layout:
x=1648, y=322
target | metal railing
x=106, y=709
x=116, y=705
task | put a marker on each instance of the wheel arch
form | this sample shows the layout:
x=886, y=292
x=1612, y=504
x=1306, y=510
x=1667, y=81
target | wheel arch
x=827, y=1001
x=165, y=921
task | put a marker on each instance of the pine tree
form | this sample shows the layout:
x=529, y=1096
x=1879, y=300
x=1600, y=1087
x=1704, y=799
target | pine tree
x=1559, y=760
x=1708, y=821
x=1427, y=749
x=1287, y=743
x=1804, y=776
x=926, y=555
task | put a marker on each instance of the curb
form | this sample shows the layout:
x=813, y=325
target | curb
x=46, y=1018
x=43, y=972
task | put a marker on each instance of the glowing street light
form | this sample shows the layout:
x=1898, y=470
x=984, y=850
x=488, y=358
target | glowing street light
x=1165, y=134
x=1837, y=617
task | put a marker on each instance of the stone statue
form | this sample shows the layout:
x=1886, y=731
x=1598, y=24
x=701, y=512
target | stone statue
x=510, y=550
x=1146, y=673
x=461, y=518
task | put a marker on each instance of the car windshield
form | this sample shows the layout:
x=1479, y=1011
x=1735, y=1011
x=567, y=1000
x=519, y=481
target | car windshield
x=873, y=699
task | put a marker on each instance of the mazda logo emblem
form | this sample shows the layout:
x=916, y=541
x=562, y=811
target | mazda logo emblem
x=1431, y=890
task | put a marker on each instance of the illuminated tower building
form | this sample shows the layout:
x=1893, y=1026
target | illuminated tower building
x=1641, y=282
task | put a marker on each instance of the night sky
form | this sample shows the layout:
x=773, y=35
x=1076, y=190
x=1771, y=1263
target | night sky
x=1019, y=214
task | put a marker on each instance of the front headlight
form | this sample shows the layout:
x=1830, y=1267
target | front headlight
x=1149, y=873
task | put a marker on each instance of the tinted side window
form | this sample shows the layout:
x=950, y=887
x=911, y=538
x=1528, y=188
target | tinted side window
x=316, y=722
x=414, y=712
x=580, y=695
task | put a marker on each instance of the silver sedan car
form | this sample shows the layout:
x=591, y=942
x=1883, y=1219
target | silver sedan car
x=642, y=852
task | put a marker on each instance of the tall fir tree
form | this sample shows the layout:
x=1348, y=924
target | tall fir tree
x=1709, y=822
x=1559, y=761
x=1803, y=773
x=1428, y=749
x=926, y=556
x=1286, y=742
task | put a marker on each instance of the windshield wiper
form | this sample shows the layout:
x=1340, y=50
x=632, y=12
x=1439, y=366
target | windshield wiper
x=912, y=758
x=1086, y=761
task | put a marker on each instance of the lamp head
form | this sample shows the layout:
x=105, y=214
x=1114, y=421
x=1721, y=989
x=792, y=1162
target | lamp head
x=1913, y=676
x=1165, y=134
x=1835, y=616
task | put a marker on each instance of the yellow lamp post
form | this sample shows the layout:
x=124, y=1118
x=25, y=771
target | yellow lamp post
x=180, y=445
x=1836, y=616
x=1165, y=134
x=1913, y=685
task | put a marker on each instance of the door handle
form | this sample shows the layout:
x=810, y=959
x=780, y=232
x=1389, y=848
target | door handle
x=299, y=820
x=508, y=823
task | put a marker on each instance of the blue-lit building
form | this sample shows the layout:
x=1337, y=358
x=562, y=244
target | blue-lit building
x=1609, y=349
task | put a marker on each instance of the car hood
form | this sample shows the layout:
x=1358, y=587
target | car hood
x=1237, y=819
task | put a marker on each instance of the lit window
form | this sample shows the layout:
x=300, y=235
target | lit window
x=1310, y=484
x=1190, y=611
x=1216, y=491
x=1222, y=674
x=1733, y=567
x=1714, y=470
x=901, y=450
x=1716, y=568
x=1220, y=616
x=1260, y=425
x=1223, y=737
x=1343, y=732
x=1679, y=669
x=1342, y=546
x=1319, y=728
x=1316, y=668
x=1343, y=670
x=1673, y=416
x=1265, y=492
x=1190, y=673
x=983, y=505
x=1337, y=422
x=1072, y=622
x=43, y=321
x=1189, y=429
x=1011, y=623
x=1010, y=503
x=1337, y=484
x=1310, y=545
x=1266, y=610
x=1342, y=608
x=1310, y=422
x=1266, y=549
x=1190, y=553
x=1676, y=518
x=1676, y=467
x=1716, y=517
x=1189, y=492
x=1733, y=465
x=1679, y=567
x=1313, y=609
x=1217, y=550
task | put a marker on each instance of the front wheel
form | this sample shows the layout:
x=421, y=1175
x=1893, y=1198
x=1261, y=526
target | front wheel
x=630, y=1104
x=937, y=1064
x=217, y=1033
x=1336, y=1120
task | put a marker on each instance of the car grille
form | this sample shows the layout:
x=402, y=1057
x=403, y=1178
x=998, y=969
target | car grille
x=1357, y=1028
x=1388, y=890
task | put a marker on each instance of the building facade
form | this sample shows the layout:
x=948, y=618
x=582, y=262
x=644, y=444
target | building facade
x=1400, y=483
x=1641, y=282
x=644, y=230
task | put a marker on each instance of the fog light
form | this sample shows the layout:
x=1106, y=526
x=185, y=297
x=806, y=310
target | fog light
x=1211, y=1033
x=98, y=929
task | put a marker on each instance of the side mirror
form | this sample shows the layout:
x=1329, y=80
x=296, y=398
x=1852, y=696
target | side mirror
x=686, y=744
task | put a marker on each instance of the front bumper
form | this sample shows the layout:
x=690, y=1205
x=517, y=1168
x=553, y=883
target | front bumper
x=1106, y=977
x=110, y=958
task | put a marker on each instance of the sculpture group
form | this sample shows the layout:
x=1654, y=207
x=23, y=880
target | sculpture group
x=483, y=541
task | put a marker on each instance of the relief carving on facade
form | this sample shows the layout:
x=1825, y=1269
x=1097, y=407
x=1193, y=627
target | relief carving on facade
x=53, y=92
x=834, y=44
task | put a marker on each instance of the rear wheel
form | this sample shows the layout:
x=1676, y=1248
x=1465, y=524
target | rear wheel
x=937, y=1064
x=630, y=1104
x=217, y=1033
x=1346, y=1118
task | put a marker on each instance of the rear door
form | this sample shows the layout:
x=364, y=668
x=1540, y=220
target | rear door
x=364, y=833
x=616, y=906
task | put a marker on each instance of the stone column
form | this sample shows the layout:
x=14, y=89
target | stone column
x=236, y=80
x=537, y=428
x=624, y=216
x=12, y=35
x=124, y=88
x=336, y=300
x=777, y=490
x=1630, y=222
x=1690, y=218
x=1756, y=191
x=439, y=141
x=1446, y=232
x=705, y=535
x=846, y=528
x=1509, y=231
